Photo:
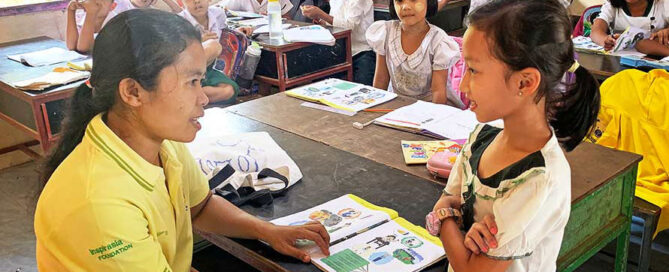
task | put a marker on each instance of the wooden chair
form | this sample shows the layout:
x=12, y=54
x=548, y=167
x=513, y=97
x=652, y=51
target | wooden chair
x=232, y=56
x=650, y=215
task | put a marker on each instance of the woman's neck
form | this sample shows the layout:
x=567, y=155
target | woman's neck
x=527, y=129
x=131, y=132
x=416, y=29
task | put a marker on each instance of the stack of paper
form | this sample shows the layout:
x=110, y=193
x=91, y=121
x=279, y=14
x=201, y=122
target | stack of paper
x=434, y=120
x=254, y=22
x=243, y=14
x=265, y=28
x=313, y=34
x=46, y=57
x=59, y=76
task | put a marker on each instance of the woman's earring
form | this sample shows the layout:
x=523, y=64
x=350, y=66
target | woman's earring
x=520, y=93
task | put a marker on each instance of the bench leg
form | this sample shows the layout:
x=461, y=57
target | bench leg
x=622, y=249
x=649, y=227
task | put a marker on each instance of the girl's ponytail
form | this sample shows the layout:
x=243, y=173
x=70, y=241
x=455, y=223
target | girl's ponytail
x=574, y=113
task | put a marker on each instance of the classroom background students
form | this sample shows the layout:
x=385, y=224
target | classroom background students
x=648, y=15
x=412, y=55
x=356, y=15
x=258, y=6
x=512, y=186
x=86, y=18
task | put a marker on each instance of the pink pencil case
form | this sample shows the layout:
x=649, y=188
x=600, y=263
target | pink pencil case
x=441, y=163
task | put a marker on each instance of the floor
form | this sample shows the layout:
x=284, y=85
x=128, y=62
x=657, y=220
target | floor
x=18, y=192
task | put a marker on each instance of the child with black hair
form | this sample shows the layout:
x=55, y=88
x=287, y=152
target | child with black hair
x=356, y=15
x=510, y=188
x=649, y=15
x=412, y=55
x=210, y=20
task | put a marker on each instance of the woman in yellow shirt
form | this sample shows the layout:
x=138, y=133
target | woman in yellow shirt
x=123, y=192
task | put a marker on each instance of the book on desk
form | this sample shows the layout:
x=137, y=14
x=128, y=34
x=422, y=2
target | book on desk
x=366, y=237
x=342, y=94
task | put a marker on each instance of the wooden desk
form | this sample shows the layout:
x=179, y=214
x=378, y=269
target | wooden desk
x=287, y=64
x=602, y=179
x=328, y=174
x=38, y=114
x=601, y=66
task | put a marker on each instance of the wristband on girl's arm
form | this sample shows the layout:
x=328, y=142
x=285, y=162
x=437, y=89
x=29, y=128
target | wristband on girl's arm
x=433, y=219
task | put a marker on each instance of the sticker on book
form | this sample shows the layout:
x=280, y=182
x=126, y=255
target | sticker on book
x=349, y=213
x=381, y=258
x=326, y=217
x=412, y=242
x=380, y=242
x=407, y=256
x=347, y=261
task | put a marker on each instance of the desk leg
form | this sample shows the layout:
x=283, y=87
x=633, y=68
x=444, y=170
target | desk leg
x=349, y=59
x=622, y=249
x=281, y=70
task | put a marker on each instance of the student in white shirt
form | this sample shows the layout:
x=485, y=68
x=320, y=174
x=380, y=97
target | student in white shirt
x=649, y=15
x=356, y=15
x=412, y=55
x=257, y=6
x=512, y=186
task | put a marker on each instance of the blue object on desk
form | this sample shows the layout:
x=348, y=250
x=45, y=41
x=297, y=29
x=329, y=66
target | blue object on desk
x=635, y=61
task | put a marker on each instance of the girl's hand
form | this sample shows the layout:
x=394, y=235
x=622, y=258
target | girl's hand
x=91, y=6
x=284, y=239
x=610, y=41
x=246, y=30
x=447, y=202
x=312, y=12
x=74, y=5
x=209, y=36
x=661, y=36
x=481, y=236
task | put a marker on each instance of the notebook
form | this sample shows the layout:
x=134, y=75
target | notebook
x=419, y=152
x=366, y=237
x=434, y=120
x=313, y=34
x=636, y=61
x=58, y=76
x=46, y=57
x=342, y=94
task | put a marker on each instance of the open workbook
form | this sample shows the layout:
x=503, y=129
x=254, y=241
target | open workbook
x=367, y=238
x=342, y=94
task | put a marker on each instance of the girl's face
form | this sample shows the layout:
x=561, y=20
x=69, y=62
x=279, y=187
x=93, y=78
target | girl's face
x=487, y=82
x=171, y=111
x=143, y=3
x=197, y=8
x=411, y=12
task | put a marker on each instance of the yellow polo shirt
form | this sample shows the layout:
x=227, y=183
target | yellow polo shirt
x=105, y=208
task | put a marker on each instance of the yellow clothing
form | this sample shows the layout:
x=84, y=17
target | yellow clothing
x=105, y=208
x=634, y=117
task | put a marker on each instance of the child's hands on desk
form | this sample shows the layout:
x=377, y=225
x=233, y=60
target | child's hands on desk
x=610, y=41
x=312, y=12
x=74, y=5
x=246, y=30
x=661, y=36
x=481, y=236
x=284, y=239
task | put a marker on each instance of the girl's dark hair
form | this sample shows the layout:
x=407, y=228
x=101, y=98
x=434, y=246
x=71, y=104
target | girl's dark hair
x=135, y=44
x=536, y=33
x=432, y=9
x=623, y=4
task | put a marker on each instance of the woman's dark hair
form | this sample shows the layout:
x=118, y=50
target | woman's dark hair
x=536, y=33
x=135, y=44
x=432, y=8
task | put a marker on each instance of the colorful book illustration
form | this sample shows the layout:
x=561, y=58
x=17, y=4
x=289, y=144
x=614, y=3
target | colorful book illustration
x=418, y=152
x=434, y=120
x=342, y=94
x=366, y=237
x=585, y=44
x=628, y=39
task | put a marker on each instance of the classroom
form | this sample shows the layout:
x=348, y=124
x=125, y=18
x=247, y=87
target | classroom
x=334, y=135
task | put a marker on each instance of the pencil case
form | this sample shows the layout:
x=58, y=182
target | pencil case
x=441, y=163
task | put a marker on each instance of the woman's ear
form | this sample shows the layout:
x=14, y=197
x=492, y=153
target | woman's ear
x=131, y=92
x=527, y=81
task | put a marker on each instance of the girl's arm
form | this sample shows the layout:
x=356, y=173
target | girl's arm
x=438, y=86
x=461, y=258
x=658, y=44
x=87, y=35
x=599, y=36
x=219, y=92
x=381, y=75
x=441, y=4
x=173, y=6
x=71, y=32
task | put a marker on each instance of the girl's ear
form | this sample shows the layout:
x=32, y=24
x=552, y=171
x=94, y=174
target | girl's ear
x=527, y=81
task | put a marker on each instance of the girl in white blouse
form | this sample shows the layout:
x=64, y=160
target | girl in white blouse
x=412, y=56
x=511, y=188
x=649, y=15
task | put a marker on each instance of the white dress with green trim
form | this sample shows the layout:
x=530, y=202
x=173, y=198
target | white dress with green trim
x=530, y=200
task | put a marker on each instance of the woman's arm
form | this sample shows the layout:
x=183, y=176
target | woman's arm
x=217, y=215
x=381, y=75
x=658, y=44
x=87, y=35
x=438, y=86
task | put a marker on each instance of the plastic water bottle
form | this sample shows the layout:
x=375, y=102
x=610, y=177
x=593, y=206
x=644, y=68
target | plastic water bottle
x=274, y=14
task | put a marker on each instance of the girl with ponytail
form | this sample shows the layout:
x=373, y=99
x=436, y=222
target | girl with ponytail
x=123, y=192
x=510, y=188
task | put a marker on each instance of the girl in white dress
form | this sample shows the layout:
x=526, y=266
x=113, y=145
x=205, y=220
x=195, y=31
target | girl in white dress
x=510, y=188
x=412, y=55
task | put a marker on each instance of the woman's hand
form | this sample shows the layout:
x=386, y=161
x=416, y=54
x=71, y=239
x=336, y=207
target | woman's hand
x=610, y=41
x=284, y=239
x=481, y=236
x=661, y=36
